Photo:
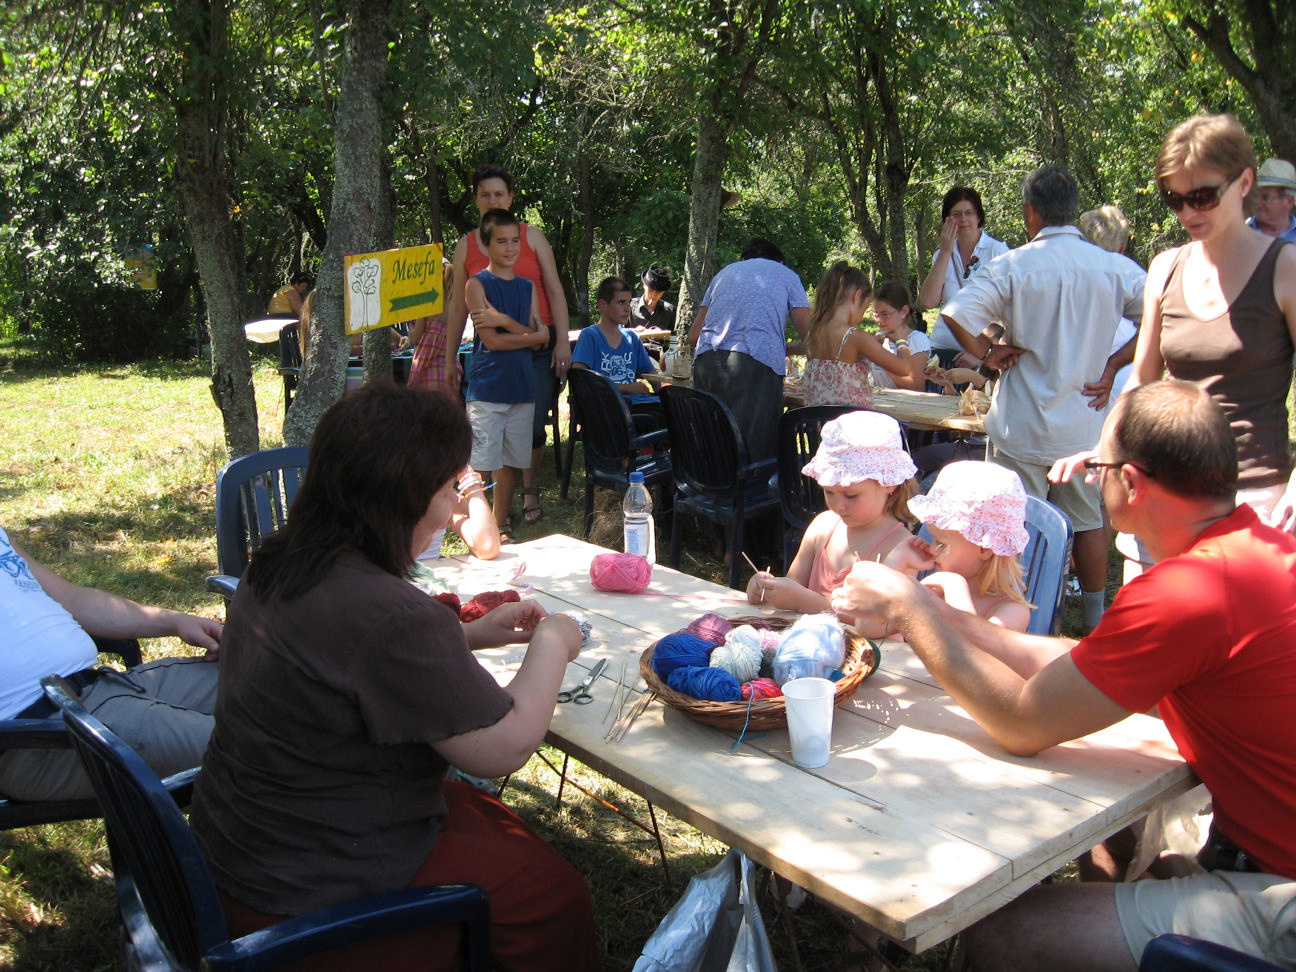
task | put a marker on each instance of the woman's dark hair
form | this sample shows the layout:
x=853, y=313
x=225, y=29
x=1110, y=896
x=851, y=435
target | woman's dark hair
x=490, y=171
x=377, y=458
x=759, y=248
x=303, y=277
x=609, y=287
x=957, y=195
x=897, y=295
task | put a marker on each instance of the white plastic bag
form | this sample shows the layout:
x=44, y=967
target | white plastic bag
x=715, y=927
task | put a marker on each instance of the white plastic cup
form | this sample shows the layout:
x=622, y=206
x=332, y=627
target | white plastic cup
x=809, y=703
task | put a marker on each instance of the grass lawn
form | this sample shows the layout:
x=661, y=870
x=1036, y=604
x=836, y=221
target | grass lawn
x=106, y=475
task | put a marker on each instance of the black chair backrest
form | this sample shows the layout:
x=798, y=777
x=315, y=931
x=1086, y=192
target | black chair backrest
x=290, y=355
x=800, y=496
x=606, y=426
x=156, y=861
x=707, y=447
x=253, y=494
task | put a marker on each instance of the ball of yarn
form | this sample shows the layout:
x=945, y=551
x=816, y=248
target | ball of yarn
x=623, y=572
x=738, y=658
x=712, y=684
x=761, y=688
x=711, y=628
x=680, y=650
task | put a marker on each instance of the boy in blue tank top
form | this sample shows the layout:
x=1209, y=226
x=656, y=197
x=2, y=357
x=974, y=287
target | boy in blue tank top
x=501, y=388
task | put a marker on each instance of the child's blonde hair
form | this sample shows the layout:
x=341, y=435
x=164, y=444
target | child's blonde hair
x=838, y=282
x=898, y=502
x=1001, y=576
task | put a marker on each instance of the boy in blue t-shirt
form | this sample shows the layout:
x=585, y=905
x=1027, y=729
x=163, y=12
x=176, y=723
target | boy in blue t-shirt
x=501, y=388
x=617, y=353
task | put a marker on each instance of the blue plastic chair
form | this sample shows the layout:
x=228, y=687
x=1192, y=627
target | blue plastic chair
x=1045, y=562
x=714, y=479
x=170, y=906
x=253, y=494
x=611, y=446
x=1179, y=953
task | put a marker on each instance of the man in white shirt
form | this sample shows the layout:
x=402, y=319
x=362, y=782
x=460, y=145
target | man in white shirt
x=1275, y=194
x=163, y=709
x=1060, y=299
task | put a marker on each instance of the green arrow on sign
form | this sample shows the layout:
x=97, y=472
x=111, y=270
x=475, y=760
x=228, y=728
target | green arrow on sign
x=412, y=300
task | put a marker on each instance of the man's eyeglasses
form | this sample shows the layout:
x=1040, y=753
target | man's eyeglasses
x=1203, y=198
x=1095, y=467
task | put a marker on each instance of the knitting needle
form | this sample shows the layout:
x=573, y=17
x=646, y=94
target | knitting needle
x=756, y=570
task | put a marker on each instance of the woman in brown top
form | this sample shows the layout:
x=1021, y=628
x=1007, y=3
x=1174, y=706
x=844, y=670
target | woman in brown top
x=1220, y=310
x=346, y=693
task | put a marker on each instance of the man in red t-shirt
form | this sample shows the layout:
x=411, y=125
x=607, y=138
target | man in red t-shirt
x=1206, y=637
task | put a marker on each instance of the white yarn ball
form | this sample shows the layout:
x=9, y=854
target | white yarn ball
x=739, y=657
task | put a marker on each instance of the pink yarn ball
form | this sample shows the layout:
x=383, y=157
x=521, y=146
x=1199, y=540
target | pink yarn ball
x=711, y=628
x=623, y=572
x=762, y=688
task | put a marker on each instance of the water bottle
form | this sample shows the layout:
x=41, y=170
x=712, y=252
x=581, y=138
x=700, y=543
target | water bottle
x=637, y=509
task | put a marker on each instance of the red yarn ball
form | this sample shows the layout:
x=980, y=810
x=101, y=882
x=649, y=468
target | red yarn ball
x=762, y=688
x=623, y=572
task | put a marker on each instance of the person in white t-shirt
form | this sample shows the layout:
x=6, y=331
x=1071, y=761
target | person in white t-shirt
x=163, y=709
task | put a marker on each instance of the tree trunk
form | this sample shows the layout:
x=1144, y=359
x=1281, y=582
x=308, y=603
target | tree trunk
x=704, y=214
x=586, y=305
x=358, y=212
x=203, y=187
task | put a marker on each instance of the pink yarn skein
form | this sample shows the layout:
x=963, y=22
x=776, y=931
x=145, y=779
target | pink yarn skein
x=620, y=572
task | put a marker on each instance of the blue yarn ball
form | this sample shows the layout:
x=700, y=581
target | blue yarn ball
x=680, y=650
x=714, y=684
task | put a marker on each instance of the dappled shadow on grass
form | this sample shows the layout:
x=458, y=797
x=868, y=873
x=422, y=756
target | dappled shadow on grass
x=19, y=369
x=66, y=916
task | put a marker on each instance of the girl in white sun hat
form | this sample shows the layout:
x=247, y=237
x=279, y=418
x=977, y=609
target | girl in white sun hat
x=867, y=479
x=976, y=514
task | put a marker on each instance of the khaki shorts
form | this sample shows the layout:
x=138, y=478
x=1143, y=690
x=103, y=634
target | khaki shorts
x=1253, y=913
x=1080, y=501
x=501, y=435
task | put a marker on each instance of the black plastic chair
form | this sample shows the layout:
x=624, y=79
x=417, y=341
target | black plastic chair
x=1180, y=953
x=253, y=494
x=169, y=904
x=714, y=479
x=800, y=497
x=48, y=733
x=290, y=359
x=612, y=448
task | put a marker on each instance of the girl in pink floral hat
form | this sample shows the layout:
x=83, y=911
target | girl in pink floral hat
x=976, y=514
x=867, y=479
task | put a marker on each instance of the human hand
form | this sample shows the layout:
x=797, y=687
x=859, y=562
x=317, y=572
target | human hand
x=872, y=589
x=777, y=592
x=948, y=235
x=561, y=358
x=1063, y=469
x=561, y=629
x=965, y=376
x=512, y=623
x=1003, y=356
x=488, y=316
x=911, y=556
x=1099, y=392
x=953, y=588
x=1283, y=515
x=965, y=360
x=197, y=631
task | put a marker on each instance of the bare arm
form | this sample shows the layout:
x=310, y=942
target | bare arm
x=695, y=329
x=472, y=518
x=1025, y=714
x=1148, y=362
x=800, y=320
x=929, y=294
x=506, y=745
x=107, y=615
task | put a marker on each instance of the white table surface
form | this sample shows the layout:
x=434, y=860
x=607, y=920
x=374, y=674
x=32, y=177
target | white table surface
x=920, y=824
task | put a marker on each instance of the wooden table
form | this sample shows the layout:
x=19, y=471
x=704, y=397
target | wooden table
x=922, y=410
x=920, y=824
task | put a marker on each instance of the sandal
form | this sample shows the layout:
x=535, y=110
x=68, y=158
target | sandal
x=531, y=514
x=506, y=530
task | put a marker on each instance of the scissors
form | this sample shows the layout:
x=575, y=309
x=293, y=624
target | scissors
x=581, y=694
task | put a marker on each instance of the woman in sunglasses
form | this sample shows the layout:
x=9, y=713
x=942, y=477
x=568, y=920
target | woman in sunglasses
x=1220, y=310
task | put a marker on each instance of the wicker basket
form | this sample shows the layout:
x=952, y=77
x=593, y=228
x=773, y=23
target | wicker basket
x=861, y=662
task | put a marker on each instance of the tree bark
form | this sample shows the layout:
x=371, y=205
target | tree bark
x=704, y=215
x=202, y=183
x=356, y=220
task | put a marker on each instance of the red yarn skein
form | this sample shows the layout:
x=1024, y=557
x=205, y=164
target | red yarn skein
x=623, y=572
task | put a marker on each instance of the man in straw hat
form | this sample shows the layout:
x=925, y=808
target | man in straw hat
x=1204, y=636
x=1275, y=194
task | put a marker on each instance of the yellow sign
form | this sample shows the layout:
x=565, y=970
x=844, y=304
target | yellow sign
x=392, y=286
x=141, y=264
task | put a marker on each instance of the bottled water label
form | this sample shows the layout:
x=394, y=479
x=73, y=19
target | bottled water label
x=638, y=540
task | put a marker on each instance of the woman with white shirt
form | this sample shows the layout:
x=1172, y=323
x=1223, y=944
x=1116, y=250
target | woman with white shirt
x=964, y=248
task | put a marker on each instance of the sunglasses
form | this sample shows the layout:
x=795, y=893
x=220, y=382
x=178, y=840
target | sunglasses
x=1202, y=199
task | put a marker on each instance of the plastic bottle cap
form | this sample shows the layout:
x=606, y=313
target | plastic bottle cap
x=636, y=477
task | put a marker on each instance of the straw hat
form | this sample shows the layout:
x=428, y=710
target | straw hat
x=980, y=501
x=1277, y=172
x=858, y=446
